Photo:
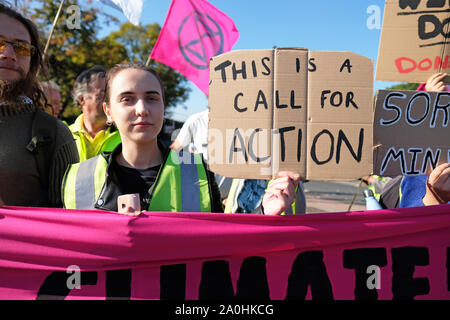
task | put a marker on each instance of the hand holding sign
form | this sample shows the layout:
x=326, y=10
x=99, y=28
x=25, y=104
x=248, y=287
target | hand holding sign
x=436, y=82
x=438, y=186
x=280, y=193
x=410, y=132
x=290, y=109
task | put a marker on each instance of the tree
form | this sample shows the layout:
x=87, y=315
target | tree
x=401, y=86
x=139, y=42
x=404, y=86
x=75, y=46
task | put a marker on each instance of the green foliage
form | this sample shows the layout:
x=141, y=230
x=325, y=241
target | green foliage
x=139, y=42
x=404, y=86
x=73, y=50
x=401, y=86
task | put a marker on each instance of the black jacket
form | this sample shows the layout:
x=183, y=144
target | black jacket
x=112, y=187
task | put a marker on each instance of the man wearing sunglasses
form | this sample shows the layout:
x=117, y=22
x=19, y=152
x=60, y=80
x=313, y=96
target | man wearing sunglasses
x=35, y=148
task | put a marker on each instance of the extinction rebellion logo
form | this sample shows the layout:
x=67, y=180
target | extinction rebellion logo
x=207, y=41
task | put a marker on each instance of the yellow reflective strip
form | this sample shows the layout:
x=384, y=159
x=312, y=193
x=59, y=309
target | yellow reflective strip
x=175, y=181
x=81, y=147
x=294, y=204
x=69, y=199
x=167, y=191
x=99, y=175
x=231, y=195
x=203, y=185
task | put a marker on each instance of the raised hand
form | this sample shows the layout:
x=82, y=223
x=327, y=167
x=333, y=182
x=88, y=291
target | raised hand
x=435, y=83
x=280, y=193
x=438, y=186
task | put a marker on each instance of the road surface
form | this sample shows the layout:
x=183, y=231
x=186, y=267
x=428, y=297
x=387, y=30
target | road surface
x=333, y=196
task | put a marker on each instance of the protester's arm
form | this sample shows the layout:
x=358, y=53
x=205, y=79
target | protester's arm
x=438, y=186
x=435, y=82
x=280, y=193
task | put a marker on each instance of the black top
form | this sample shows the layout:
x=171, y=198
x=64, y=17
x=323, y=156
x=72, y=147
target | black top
x=136, y=180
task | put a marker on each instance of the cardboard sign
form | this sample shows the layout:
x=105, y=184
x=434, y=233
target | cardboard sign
x=411, y=132
x=400, y=254
x=414, y=41
x=290, y=109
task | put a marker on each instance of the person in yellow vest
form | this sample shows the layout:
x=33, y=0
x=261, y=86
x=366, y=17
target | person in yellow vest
x=92, y=133
x=164, y=179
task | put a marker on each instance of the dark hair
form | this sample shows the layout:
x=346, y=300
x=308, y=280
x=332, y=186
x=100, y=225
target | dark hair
x=85, y=79
x=31, y=85
x=120, y=67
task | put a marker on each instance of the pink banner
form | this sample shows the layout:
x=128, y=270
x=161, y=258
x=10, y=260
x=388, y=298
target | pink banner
x=194, y=31
x=77, y=254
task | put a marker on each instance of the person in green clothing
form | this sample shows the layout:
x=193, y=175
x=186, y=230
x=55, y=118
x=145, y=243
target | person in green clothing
x=164, y=179
x=92, y=133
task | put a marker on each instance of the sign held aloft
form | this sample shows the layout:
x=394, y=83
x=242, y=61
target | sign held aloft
x=414, y=41
x=290, y=109
x=411, y=132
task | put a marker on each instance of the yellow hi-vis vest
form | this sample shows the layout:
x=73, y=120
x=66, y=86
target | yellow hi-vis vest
x=181, y=185
x=108, y=145
x=376, y=192
x=233, y=195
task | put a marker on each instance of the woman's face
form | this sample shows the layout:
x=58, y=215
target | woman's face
x=136, y=105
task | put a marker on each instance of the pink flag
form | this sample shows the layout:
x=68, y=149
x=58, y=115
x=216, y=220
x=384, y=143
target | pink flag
x=194, y=31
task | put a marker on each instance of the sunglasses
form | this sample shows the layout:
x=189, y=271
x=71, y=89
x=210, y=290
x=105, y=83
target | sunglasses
x=20, y=47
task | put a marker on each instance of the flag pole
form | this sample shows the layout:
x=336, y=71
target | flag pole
x=148, y=60
x=53, y=29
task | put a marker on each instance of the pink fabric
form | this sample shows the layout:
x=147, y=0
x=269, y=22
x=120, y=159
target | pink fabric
x=36, y=242
x=194, y=31
x=421, y=87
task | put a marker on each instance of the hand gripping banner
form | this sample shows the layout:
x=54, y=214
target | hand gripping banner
x=76, y=254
